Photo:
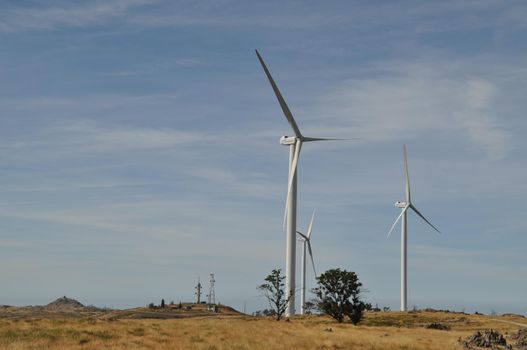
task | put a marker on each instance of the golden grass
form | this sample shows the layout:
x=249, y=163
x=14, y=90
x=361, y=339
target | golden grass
x=379, y=331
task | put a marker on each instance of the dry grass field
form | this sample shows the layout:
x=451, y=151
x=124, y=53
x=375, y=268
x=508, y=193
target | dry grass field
x=378, y=331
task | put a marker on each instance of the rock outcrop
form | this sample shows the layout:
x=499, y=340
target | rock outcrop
x=487, y=339
x=64, y=303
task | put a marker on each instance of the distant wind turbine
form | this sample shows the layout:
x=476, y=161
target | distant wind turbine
x=306, y=242
x=295, y=144
x=404, y=206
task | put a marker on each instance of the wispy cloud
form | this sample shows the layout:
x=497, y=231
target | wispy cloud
x=202, y=158
x=156, y=67
x=99, y=220
x=415, y=100
x=89, y=137
x=60, y=14
x=364, y=19
x=82, y=136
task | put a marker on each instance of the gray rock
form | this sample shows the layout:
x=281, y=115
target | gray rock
x=488, y=339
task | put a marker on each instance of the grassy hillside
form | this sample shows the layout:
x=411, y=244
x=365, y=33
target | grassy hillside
x=386, y=331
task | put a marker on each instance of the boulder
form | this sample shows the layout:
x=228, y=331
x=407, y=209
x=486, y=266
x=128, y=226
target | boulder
x=487, y=339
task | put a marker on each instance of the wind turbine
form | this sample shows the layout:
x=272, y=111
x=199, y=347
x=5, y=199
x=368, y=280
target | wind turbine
x=404, y=206
x=295, y=144
x=306, y=241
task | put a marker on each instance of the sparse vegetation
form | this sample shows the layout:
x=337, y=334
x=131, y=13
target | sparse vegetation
x=264, y=312
x=438, y=326
x=377, y=331
x=193, y=326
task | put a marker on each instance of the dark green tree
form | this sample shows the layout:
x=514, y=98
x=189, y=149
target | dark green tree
x=163, y=303
x=339, y=295
x=274, y=291
x=309, y=307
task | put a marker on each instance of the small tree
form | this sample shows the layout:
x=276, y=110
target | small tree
x=163, y=303
x=309, y=307
x=338, y=295
x=275, y=293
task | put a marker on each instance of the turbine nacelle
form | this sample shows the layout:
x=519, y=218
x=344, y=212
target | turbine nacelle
x=400, y=205
x=294, y=140
x=288, y=140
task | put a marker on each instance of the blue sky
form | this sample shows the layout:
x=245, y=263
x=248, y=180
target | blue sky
x=139, y=147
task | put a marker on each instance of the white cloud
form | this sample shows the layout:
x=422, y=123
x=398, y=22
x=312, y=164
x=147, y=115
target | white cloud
x=197, y=155
x=75, y=137
x=479, y=93
x=92, y=137
x=65, y=14
x=415, y=100
x=102, y=220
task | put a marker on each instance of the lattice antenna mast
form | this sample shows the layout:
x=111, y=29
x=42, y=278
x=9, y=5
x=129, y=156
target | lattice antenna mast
x=212, y=294
x=198, y=291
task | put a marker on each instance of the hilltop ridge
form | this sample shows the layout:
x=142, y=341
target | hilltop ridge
x=65, y=307
x=64, y=303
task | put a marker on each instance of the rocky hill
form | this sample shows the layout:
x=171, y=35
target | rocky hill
x=64, y=303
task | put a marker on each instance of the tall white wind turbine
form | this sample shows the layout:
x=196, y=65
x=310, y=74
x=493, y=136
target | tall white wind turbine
x=306, y=243
x=295, y=144
x=404, y=206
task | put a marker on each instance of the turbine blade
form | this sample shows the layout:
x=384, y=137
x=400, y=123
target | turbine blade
x=311, y=255
x=397, y=220
x=309, y=229
x=308, y=139
x=298, y=146
x=422, y=217
x=406, y=176
x=302, y=235
x=285, y=108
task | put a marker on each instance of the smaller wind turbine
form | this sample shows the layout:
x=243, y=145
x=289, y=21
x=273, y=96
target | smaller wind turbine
x=404, y=206
x=306, y=242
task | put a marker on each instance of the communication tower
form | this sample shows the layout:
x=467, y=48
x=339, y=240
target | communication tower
x=212, y=294
x=198, y=291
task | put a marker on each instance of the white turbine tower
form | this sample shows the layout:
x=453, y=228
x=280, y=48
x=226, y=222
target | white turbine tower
x=404, y=206
x=306, y=243
x=295, y=144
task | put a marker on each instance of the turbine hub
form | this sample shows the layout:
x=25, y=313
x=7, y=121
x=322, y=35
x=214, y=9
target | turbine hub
x=288, y=140
x=400, y=205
